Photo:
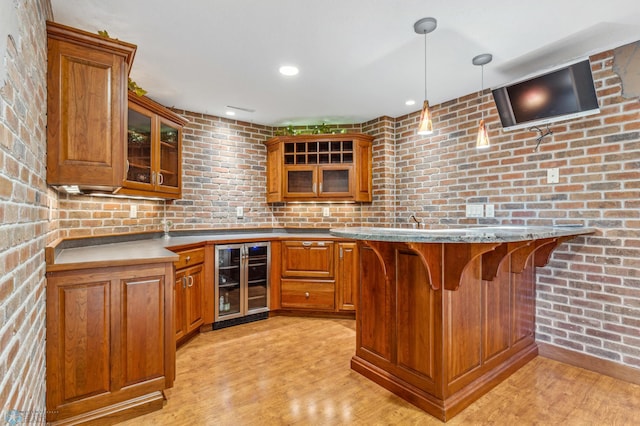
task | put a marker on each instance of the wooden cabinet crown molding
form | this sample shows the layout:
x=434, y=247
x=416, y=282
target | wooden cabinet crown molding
x=95, y=41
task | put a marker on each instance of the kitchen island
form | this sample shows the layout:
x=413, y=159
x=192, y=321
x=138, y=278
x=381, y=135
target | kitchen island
x=444, y=315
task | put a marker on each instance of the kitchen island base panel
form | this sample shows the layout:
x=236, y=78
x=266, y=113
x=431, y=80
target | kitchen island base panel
x=441, y=349
x=449, y=407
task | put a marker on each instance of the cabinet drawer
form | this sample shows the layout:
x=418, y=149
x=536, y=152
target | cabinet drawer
x=313, y=259
x=308, y=294
x=189, y=258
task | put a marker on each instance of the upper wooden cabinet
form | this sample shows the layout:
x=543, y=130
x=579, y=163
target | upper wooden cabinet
x=154, y=149
x=100, y=136
x=319, y=168
x=86, y=107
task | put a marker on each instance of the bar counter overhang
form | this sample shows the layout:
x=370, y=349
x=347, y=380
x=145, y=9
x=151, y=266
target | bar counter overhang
x=444, y=315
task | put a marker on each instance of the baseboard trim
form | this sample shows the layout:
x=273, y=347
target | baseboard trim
x=591, y=363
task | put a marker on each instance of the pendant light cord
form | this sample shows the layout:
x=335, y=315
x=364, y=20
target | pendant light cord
x=481, y=91
x=425, y=65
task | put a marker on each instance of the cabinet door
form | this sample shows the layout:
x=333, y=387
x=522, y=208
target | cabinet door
x=194, y=283
x=180, y=304
x=347, y=276
x=336, y=181
x=168, y=178
x=86, y=104
x=363, y=170
x=78, y=336
x=313, y=259
x=140, y=343
x=139, y=148
x=300, y=181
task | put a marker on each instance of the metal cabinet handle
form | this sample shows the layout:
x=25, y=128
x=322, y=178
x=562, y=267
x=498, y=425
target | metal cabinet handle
x=306, y=295
x=307, y=243
x=160, y=178
x=184, y=282
x=190, y=281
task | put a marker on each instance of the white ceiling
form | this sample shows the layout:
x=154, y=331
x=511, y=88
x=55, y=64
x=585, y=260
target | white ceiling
x=358, y=59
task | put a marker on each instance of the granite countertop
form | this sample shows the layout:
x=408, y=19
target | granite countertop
x=118, y=251
x=472, y=234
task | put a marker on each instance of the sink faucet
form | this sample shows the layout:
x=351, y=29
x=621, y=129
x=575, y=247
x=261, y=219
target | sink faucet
x=414, y=218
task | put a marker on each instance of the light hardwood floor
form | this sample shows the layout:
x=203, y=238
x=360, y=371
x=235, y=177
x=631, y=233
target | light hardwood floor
x=295, y=371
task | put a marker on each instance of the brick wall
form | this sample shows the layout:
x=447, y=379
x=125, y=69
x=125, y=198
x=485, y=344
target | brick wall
x=588, y=297
x=24, y=217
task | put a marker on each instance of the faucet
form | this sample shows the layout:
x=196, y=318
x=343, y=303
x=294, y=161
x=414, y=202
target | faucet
x=416, y=220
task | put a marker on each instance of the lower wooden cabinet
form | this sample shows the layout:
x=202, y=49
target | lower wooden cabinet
x=189, y=293
x=347, y=276
x=318, y=275
x=308, y=294
x=110, y=342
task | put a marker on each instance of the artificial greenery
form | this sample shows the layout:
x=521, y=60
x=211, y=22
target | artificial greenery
x=133, y=86
x=316, y=130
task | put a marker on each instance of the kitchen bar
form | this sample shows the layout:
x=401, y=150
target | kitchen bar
x=444, y=315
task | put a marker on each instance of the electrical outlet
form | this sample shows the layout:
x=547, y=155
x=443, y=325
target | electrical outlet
x=553, y=175
x=474, y=210
x=489, y=210
x=326, y=212
x=239, y=212
x=133, y=211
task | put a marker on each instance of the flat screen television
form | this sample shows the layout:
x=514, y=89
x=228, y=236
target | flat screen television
x=557, y=95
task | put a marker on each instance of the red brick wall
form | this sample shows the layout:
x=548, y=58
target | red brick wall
x=588, y=297
x=24, y=214
x=589, y=294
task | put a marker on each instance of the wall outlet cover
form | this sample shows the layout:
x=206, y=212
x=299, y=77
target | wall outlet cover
x=326, y=212
x=489, y=210
x=239, y=212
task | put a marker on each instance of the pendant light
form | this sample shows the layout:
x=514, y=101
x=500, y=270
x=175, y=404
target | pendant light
x=483, y=136
x=425, y=26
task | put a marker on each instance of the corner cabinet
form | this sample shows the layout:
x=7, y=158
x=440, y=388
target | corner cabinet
x=154, y=150
x=319, y=168
x=110, y=342
x=86, y=106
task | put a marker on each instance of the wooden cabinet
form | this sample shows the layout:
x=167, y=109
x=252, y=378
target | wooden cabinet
x=86, y=107
x=110, y=341
x=319, y=168
x=154, y=147
x=347, y=276
x=308, y=275
x=318, y=275
x=189, y=293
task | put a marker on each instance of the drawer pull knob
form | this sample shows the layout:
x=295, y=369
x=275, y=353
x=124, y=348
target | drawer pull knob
x=306, y=294
x=188, y=259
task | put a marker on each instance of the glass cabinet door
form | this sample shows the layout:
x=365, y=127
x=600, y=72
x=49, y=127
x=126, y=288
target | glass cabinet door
x=139, y=144
x=228, y=273
x=257, y=276
x=300, y=181
x=335, y=181
x=169, y=156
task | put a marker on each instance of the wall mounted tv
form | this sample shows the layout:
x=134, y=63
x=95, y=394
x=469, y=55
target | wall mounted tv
x=557, y=95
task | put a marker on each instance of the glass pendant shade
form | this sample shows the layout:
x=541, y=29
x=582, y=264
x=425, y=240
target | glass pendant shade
x=426, y=126
x=483, y=136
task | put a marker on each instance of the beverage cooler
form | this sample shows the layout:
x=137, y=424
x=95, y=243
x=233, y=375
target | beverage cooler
x=241, y=283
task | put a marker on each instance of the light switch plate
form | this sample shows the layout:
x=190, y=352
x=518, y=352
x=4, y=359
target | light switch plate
x=553, y=175
x=133, y=211
x=489, y=210
x=239, y=212
x=325, y=212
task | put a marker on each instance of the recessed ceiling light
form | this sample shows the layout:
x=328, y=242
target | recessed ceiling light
x=410, y=102
x=288, y=70
x=231, y=113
